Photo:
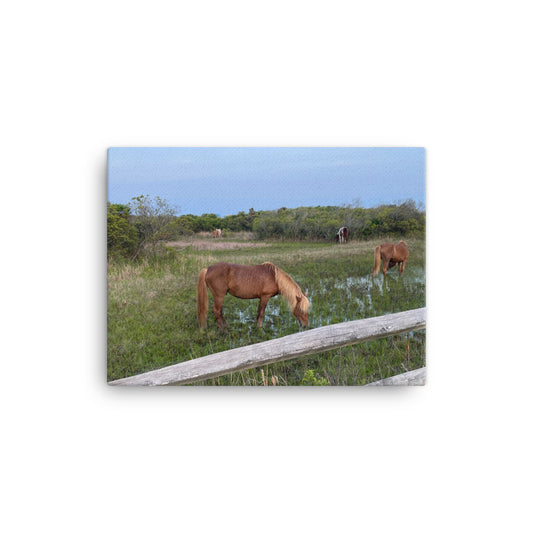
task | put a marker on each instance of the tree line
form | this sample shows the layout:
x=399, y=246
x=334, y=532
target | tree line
x=322, y=223
x=138, y=227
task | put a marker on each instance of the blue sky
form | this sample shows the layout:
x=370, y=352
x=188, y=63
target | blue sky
x=228, y=180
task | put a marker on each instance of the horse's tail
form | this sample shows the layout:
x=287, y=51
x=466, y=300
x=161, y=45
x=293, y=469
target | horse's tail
x=201, y=299
x=377, y=260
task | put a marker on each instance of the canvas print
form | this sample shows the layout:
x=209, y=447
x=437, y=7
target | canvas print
x=266, y=266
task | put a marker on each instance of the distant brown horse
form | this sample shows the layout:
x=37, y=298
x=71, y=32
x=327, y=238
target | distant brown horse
x=390, y=254
x=217, y=233
x=248, y=281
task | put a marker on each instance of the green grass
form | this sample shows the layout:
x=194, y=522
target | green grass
x=152, y=312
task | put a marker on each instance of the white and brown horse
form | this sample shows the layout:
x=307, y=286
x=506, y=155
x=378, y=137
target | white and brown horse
x=342, y=235
x=217, y=233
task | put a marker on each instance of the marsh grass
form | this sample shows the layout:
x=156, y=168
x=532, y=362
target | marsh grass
x=152, y=312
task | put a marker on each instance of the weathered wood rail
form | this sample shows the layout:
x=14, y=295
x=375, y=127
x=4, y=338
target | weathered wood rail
x=290, y=347
x=414, y=377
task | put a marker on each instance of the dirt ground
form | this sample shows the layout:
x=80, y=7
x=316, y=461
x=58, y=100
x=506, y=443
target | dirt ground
x=214, y=244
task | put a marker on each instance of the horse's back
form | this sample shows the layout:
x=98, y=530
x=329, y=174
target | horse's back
x=399, y=251
x=216, y=277
x=402, y=250
x=217, y=270
x=387, y=248
x=243, y=281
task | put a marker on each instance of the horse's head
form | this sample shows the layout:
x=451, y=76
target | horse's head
x=301, y=310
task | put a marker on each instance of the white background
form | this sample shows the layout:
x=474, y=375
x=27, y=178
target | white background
x=453, y=77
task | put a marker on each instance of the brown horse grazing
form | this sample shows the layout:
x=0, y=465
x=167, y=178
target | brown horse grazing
x=390, y=254
x=248, y=281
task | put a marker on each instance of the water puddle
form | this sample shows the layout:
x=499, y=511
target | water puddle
x=357, y=297
x=334, y=300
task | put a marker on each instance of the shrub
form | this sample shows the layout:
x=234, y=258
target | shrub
x=122, y=237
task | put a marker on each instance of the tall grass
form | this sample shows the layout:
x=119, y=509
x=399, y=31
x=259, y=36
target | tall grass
x=152, y=312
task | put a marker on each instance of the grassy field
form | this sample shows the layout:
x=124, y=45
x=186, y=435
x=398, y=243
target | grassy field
x=152, y=311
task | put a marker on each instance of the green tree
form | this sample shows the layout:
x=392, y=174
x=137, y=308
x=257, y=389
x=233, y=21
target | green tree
x=322, y=222
x=183, y=225
x=122, y=237
x=152, y=217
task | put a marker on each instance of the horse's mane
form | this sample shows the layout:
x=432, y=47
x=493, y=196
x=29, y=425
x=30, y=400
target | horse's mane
x=289, y=289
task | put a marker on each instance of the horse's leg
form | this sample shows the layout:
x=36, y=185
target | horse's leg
x=217, y=310
x=402, y=266
x=386, y=260
x=261, y=310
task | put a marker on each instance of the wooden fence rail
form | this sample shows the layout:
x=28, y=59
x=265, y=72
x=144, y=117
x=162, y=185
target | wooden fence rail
x=289, y=347
x=414, y=377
